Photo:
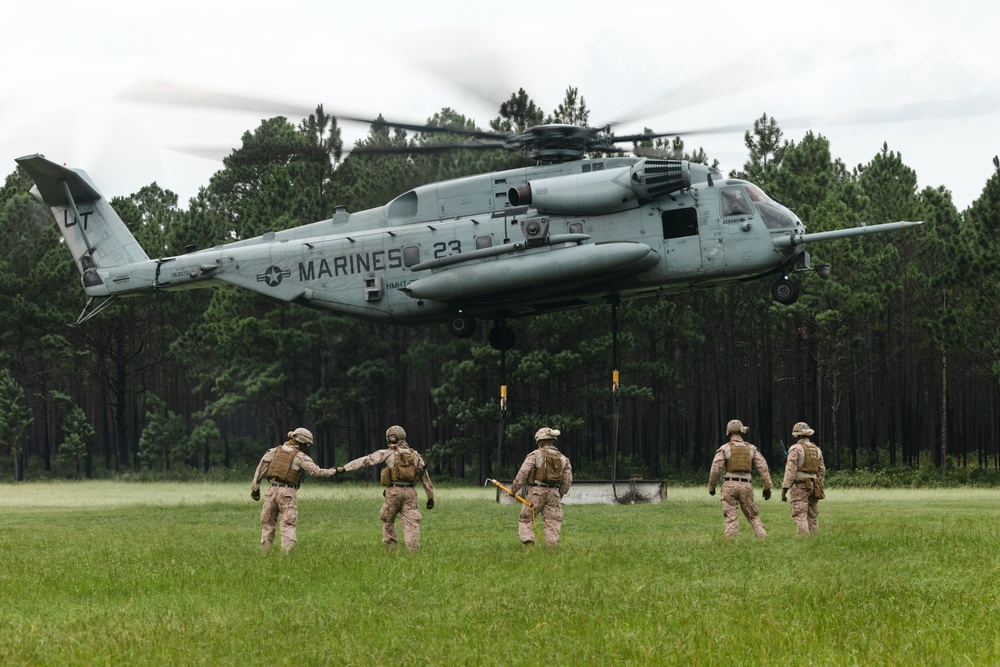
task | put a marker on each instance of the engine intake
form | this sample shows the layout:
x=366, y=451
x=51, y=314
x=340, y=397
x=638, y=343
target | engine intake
x=652, y=179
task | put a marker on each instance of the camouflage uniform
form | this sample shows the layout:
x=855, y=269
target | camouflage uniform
x=545, y=496
x=400, y=496
x=281, y=498
x=805, y=474
x=732, y=463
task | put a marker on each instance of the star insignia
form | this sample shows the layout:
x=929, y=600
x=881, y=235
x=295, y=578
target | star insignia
x=273, y=276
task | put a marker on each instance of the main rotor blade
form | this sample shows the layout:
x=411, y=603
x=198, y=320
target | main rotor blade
x=980, y=105
x=739, y=76
x=466, y=56
x=158, y=91
x=648, y=136
x=429, y=148
x=213, y=153
x=220, y=152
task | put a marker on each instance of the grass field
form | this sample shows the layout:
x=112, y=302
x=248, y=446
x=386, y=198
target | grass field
x=103, y=573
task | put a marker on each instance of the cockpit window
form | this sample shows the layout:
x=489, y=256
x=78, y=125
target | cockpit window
x=734, y=202
x=756, y=194
x=774, y=215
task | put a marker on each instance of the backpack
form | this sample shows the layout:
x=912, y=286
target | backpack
x=549, y=467
x=403, y=466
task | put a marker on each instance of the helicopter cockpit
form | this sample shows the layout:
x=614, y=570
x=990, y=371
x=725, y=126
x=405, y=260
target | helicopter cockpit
x=775, y=216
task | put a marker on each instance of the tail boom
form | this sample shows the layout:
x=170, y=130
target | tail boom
x=97, y=237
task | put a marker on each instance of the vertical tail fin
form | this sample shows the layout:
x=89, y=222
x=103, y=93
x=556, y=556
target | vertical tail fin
x=95, y=234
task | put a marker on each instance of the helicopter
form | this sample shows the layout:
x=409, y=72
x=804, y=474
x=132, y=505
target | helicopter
x=569, y=231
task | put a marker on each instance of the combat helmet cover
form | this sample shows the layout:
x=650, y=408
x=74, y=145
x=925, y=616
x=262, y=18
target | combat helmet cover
x=736, y=426
x=802, y=428
x=302, y=436
x=395, y=434
x=546, y=433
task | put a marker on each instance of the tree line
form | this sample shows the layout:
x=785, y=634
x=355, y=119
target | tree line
x=894, y=360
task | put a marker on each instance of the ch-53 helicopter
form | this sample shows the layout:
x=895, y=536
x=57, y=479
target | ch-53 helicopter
x=570, y=231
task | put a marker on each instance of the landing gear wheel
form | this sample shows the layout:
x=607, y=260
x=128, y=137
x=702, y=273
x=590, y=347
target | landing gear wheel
x=461, y=325
x=785, y=291
x=502, y=337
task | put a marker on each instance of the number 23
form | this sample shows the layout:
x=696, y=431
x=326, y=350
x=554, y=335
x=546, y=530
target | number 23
x=441, y=248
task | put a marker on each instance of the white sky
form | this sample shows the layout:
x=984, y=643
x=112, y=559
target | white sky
x=698, y=65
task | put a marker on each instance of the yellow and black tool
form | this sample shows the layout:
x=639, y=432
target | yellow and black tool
x=509, y=492
x=532, y=507
x=541, y=538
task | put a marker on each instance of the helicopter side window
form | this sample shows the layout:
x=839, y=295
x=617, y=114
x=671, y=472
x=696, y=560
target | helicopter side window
x=679, y=223
x=484, y=242
x=411, y=255
x=734, y=202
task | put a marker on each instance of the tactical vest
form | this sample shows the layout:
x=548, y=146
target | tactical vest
x=810, y=458
x=400, y=467
x=548, y=468
x=280, y=468
x=739, y=457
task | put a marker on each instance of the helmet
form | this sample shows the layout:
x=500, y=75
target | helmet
x=736, y=426
x=395, y=434
x=303, y=436
x=546, y=433
x=802, y=428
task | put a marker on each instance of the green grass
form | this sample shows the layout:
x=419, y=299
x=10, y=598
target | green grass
x=171, y=574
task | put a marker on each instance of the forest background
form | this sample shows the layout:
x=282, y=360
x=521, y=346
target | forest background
x=894, y=360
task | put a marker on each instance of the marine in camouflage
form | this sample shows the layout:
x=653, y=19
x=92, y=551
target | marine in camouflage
x=805, y=477
x=283, y=466
x=400, y=496
x=732, y=464
x=547, y=484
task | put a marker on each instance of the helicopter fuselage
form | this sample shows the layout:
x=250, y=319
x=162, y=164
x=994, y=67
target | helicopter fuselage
x=494, y=245
x=463, y=244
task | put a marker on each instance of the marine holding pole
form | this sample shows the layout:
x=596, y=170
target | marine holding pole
x=548, y=475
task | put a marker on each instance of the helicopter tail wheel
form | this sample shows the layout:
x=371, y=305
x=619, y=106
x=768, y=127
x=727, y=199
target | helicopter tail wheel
x=785, y=291
x=461, y=325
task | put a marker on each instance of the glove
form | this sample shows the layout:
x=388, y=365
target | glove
x=430, y=503
x=784, y=495
x=767, y=494
x=255, y=494
x=711, y=491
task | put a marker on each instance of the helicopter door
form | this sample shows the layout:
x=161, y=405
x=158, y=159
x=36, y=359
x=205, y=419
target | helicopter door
x=681, y=244
x=736, y=213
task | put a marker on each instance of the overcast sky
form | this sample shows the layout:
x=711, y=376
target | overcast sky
x=671, y=66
